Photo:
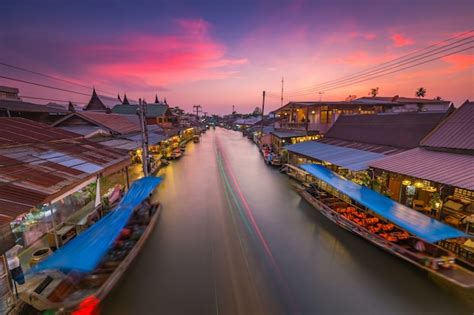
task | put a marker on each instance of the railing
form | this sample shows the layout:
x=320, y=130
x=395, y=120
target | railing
x=302, y=126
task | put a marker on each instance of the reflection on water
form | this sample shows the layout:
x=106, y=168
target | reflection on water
x=234, y=237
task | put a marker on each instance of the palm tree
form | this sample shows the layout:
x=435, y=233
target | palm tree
x=420, y=92
x=374, y=92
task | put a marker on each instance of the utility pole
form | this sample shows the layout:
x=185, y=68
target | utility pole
x=198, y=109
x=320, y=95
x=282, y=80
x=233, y=109
x=263, y=109
x=141, y=111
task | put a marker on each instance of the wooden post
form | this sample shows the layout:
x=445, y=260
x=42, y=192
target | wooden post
x=54, y=225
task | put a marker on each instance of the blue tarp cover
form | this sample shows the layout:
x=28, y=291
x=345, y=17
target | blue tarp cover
x=85, y=252
x=418, y=224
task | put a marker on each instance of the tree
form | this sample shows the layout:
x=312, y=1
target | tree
x=350, y=98
x=438, y=98
x=421, y=92
x=257, y=111
x=374, y=92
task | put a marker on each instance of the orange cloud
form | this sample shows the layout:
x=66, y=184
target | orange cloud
x=460, y=62
x=399, y=40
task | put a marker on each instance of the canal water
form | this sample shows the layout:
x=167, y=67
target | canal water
x=235, y=238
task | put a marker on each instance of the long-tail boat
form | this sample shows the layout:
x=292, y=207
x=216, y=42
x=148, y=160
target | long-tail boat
x=387, y=224
x=77, y=277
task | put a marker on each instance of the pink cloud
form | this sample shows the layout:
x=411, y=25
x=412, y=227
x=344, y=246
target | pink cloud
x=400, y=40
x=189, y=55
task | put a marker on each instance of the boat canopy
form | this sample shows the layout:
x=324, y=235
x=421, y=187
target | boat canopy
x=85, y=251
x=418, y=224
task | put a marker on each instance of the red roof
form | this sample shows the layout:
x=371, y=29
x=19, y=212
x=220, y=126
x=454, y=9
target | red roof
x=442, y=167
x=455, y=132
x=116, y=123
x=36, y=167
x=17, y=131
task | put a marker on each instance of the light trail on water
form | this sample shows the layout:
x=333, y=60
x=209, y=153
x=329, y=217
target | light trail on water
x=248, y=218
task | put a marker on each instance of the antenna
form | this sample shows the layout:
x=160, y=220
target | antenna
x=282, y=81
x=320, y=95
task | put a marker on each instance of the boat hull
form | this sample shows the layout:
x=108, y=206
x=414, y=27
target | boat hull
x=457, y=275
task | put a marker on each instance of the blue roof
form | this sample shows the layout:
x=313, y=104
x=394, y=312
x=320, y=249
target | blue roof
x=418, y=224
x=353, y=159
x=85, y=252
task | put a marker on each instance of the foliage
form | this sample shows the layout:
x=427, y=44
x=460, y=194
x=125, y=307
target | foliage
x=374, y=92
x=421, y=92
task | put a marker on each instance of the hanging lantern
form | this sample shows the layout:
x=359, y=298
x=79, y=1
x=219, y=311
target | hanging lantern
x=406, y=182
x=418, y=184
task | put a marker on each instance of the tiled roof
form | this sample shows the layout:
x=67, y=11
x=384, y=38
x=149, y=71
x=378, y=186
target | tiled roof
x=455, y=132
x=20, y=106
x=442, y=167
x=39, y=163
x=401, y=130
x=152, y=110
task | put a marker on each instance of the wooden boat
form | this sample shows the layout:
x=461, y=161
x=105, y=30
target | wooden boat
x=65, y=293
x=196, y=139
x=389, y=237
x=393, y=227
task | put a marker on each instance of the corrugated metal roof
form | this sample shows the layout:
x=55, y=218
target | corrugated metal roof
x=122, y=144
x=400, y=130
x=455, y=132
x=17, y=131
x=20, y=106
x=355, y=160
x=442, y=167
x=382, y=149
x=48, y=164
x=288, y=134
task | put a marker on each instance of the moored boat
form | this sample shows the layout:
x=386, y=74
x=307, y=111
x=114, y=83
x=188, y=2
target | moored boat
x=81, y=274
x=395, y=228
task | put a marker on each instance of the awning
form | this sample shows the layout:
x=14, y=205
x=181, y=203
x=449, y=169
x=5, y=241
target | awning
x=85, y=252
x=352, y=159
x=446, y=168
x=153, y=138
x=418, y=224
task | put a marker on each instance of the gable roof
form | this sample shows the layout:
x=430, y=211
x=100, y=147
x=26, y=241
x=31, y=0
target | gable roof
x=152, y=110
x=402, y=100
x=399, y=130
x=116, y=123
x=455, y=132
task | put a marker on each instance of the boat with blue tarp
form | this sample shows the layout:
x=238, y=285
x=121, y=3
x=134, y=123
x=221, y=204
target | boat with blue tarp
x=391, y=226
x=79, y=275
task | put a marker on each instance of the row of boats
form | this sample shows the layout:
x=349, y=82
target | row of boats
x=63, y=284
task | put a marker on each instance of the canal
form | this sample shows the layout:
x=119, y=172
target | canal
x=235, y=238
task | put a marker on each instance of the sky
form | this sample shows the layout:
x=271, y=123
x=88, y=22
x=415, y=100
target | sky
x=223, y=53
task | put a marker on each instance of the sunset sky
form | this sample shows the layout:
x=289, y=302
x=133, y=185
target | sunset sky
x=224, y=53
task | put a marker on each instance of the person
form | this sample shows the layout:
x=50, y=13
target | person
x=14, y=264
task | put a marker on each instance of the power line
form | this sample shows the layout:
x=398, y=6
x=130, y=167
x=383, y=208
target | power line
x=50, y=99
x=400, y=59
x=394, y=66
x=51, y=77
x=391, y=72
x=43, y=85
x=397, y=64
